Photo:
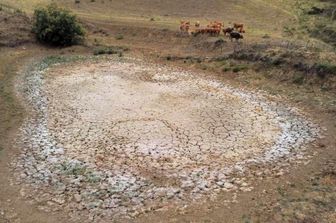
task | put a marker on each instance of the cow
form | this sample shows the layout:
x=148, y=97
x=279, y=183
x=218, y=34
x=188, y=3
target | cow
x=239, y=27
x=197, y=24
x=228, y=30
x=215, y=25
x=184, y=26
x=214, y=28
x=236, y=35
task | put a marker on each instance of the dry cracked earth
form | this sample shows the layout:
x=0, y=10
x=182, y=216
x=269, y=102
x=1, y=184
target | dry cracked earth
x=121, y=137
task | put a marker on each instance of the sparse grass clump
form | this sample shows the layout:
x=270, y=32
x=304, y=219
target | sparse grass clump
x=324, y=31
x=322, y=69
x=298, y=79
x=235, y=68
x=57, y=26
x=119, y=37
x=266, y=36
x=110, y=50
x=239, y=67
x=19, y=11
x=316, y=19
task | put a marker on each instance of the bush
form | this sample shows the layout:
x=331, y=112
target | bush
x=57, y=26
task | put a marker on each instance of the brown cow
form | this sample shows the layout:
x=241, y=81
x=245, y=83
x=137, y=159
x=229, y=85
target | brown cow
x=215, y=25
x=228, y=30
x=214, y=28
x=184, y=26
x=197, y=24
x=239, y=27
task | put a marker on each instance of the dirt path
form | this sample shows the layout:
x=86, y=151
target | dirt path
x=123, y=138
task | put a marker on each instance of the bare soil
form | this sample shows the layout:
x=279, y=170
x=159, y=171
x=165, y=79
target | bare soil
x=15, y=29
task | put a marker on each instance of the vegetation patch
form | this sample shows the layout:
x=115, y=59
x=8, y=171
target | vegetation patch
x=52, y=60
x=298, y=79
x=234, y=67
x=185, y=59
x=110, y=50
x=325, y=32
x=323, y=69
x=57, y=26
x=291, y=60
x=119, y=37
x=316, y=19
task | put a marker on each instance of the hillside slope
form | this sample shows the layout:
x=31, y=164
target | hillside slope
x=257, y=14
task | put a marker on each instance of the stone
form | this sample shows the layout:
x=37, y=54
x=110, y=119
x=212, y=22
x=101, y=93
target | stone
x=77, y=198
x=58, y=200
x=228, y=185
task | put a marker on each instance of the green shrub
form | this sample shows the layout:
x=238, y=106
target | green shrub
x=57, y=26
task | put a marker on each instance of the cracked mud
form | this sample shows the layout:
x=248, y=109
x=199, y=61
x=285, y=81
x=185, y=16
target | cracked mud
x=119, y=138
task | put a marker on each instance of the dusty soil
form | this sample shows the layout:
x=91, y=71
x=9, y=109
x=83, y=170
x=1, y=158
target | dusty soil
x=15, y=29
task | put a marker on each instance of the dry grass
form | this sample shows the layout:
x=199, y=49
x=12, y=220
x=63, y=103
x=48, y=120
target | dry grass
x=259, y=15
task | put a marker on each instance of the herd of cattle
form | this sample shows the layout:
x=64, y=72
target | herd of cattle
x=213, y=29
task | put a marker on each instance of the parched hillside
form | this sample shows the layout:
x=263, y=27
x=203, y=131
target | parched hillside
x=257, y=14
x=280, y=18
